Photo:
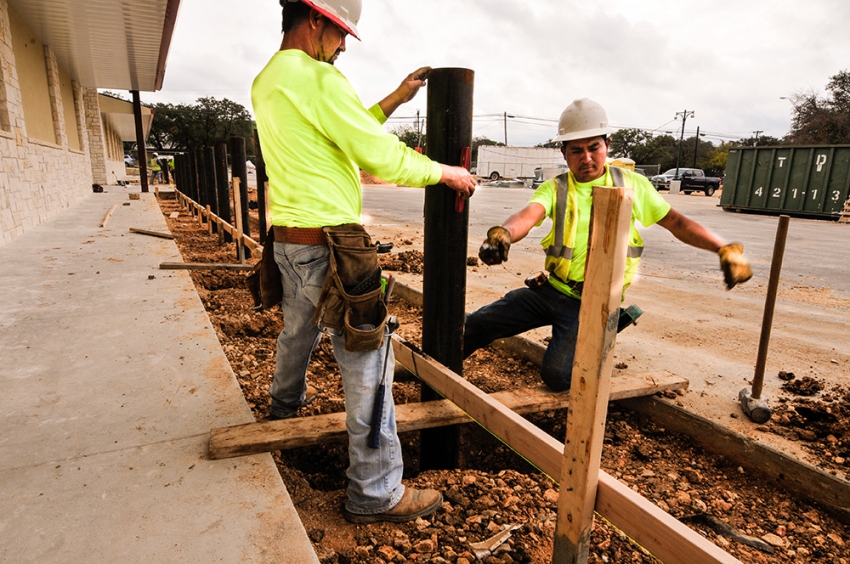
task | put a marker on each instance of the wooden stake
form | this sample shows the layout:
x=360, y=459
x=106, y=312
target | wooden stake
x=108, y=215
x=237, y=211
x=594, y=359
x=209, y=221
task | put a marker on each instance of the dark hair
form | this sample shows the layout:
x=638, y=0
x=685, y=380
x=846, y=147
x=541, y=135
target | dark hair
x=293, y=12
x=564, y=143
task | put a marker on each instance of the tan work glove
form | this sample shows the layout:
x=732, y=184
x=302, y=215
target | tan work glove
x=736, y=267
x=495, y=248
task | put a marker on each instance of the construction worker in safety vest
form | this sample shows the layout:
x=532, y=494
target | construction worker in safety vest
x=554, y=297
x=156, y=170
x=315, y=133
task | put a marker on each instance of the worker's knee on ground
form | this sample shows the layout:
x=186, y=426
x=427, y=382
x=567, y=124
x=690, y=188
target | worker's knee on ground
x=555, y=379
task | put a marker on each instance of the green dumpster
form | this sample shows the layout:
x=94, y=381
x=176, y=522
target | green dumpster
x=811, y=180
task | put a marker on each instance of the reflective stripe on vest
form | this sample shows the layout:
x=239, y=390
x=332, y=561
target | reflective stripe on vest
x=559, y=252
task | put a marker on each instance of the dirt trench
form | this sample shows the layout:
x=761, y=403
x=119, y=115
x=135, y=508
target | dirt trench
x=495, y=488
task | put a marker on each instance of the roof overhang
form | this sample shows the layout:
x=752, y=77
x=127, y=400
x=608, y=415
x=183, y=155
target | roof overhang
x=119, y=114
x=119, y=44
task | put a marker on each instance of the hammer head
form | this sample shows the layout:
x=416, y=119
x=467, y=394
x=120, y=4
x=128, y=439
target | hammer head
x=756, y=409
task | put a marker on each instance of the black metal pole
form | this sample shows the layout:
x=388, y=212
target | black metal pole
x=193, y=175
x=449, y=132
x=223, y=187
x=201, y=168
x=142, y=157
x=240, y=171
x=262, y=178
x=212, y=194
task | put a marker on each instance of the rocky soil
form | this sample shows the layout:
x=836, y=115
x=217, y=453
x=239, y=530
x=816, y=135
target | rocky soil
x=496, y=492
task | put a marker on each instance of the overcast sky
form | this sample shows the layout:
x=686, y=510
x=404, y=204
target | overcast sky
x=728, y=61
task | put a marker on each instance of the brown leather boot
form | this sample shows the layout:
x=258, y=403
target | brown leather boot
x=414, y=504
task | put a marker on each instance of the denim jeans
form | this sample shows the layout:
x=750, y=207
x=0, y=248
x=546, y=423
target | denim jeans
x=374, y=474
x=524, y=309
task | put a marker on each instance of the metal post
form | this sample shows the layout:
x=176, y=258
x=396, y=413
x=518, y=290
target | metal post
x=449, y=131
x=193, y=175
x=212, y=194
x=223, y=187
x=202, y=176
x=238, y=170
x=142, y=156
x=262, y=178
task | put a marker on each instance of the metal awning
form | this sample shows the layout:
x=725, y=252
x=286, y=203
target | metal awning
x=120, y=44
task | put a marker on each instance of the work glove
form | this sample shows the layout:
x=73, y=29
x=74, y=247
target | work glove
x=496, y=246
x=736, y=267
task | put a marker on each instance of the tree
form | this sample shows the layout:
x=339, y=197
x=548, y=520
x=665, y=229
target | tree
x=208, y=121
x=643, y=148
x=824, y=120
x=760, y=141
x=478, y=141
x=408, y=135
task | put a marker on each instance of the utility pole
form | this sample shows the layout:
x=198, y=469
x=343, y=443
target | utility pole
x=685, y=115
x=756, y=133
x=696, y=146
x=506, y=129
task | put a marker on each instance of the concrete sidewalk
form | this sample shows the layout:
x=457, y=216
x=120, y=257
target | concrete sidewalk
x=111, y=378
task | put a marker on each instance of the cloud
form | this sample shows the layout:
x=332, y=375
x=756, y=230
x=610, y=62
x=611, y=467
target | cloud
x=729, y=61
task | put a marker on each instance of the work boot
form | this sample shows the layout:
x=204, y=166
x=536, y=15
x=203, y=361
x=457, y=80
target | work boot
x=309, y=396
x=414, y=504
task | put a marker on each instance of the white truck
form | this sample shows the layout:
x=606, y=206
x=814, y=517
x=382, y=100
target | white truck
x=514, y=162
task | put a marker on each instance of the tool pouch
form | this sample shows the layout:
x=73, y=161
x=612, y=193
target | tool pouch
x=264, y=281
x=350, y=303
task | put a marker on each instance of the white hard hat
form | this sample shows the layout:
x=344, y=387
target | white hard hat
x=344, y=13
x=582, y=119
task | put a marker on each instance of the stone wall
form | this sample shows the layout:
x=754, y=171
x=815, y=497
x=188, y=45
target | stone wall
x=38, y=180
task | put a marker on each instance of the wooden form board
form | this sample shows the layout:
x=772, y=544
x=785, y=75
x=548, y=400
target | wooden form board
x=152, y=233
x=253, y=438
x=108, y=215
x=654, y=529
x=223, y=225
x=203, y=266
x=790, y=474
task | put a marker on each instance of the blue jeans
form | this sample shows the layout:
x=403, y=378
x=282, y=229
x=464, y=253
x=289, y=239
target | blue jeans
x=524, y=309
x=374, y=474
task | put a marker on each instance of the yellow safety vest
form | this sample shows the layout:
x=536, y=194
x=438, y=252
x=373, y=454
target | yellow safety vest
x=559, y=254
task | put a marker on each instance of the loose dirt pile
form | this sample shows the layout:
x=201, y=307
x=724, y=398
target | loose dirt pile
x=496, y=489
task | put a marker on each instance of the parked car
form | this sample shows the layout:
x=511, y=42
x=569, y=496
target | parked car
x=692, y=180
x=129, y=161
x=662, y=181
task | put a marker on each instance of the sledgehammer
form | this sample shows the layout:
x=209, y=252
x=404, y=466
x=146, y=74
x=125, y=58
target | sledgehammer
x=752, y=404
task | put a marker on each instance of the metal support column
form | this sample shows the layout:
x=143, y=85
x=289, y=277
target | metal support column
x=448, y=138
x=222, y=183
x=142, y=157
x=239, y=170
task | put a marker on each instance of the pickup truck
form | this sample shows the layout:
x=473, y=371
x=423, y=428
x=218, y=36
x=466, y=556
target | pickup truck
x=693, y=180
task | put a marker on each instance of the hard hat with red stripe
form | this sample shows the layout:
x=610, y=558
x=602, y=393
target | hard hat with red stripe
x=344, y=13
